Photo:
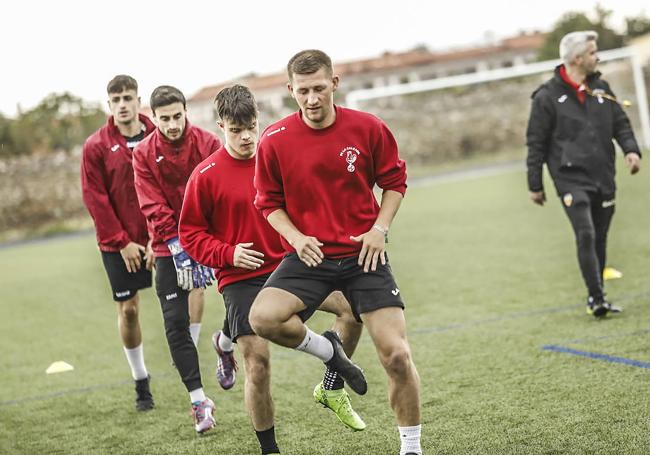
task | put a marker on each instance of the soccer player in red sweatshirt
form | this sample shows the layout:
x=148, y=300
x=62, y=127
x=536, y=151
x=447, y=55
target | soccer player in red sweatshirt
x=315, y=174
x=162, y=164
x=109, y=195
x=221, y=228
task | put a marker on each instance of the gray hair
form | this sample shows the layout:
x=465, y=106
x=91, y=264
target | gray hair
x=574, y=44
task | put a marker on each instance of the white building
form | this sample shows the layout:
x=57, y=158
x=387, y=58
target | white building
x=388, y=69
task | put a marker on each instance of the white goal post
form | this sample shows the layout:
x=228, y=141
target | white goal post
x=354, y=98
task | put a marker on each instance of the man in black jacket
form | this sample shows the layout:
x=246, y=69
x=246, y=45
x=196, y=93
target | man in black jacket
x=573, y=120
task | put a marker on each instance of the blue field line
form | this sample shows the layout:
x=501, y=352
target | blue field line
x=418, y=331
x=608, y=337
x=597, y=356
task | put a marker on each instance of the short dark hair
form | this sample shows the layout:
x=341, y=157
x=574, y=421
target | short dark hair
x=308, y=62
x=165, y=95
x=236, y=104
x=120, y=83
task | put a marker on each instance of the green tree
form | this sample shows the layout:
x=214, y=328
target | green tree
x=7, y=146
x=575, y=21
x=58, y=123
x=637, y=26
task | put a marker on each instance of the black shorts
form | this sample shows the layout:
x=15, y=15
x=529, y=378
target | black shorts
x=125, y=285
x=238, y=298
x=366, y=292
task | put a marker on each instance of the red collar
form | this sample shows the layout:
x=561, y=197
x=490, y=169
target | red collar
x=579, y=88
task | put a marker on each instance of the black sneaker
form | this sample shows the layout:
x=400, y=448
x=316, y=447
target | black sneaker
x=613, y=308
x=598, y=307
x=143, y=399
x=340, y=363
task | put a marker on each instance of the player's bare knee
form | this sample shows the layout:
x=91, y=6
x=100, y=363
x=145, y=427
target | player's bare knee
x=261, y=318
x=257, y=367
x=197, y=293
x=397, y=362
x=128, y=310
x=261, y=321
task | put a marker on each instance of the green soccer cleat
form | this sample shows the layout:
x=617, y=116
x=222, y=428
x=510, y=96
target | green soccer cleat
x=339, y=402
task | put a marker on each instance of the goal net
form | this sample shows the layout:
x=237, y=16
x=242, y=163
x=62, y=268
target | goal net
x=485, y=114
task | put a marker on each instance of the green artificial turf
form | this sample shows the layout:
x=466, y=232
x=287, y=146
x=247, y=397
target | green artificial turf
x=488, y=279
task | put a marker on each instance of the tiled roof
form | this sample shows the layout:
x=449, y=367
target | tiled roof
x=385, y=62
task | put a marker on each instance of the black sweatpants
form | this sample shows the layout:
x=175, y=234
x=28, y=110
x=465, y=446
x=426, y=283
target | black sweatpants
x=590, y=214
x=174, y=305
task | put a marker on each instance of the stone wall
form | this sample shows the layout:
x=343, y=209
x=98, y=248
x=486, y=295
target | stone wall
x=35, y=190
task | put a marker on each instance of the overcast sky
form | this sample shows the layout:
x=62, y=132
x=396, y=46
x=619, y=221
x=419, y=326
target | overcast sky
x=56, y=46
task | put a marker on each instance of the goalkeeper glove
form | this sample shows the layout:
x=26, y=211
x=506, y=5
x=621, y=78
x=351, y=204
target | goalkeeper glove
x=183, y=263
x=203, y=276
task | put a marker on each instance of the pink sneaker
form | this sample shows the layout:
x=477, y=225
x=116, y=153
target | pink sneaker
x=226, y=364
x=203, y=415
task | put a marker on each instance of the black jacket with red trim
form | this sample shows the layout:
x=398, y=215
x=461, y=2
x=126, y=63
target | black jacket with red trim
x=574, y=139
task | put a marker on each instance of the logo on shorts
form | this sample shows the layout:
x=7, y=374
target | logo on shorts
x=122, y=293
x=562, y=99
x=171, y=296
x=395, y=291
x=159, y=159
x=608, y=203
x=351, y=154
x=567, y=199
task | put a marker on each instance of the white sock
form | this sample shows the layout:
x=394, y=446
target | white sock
x=197, y=395
x=410, y=437
x=316, y=345
x=225, y=343
x=195, y=330
x=135, y=357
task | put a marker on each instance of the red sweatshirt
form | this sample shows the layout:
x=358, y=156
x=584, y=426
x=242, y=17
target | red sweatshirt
x=218, y=213
x=324, y=178
x=161, y=171
x=107, y=188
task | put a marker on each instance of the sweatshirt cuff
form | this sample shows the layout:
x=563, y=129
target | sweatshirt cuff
x=399, y=188
x=266, y=212
x=170, y=236
x=121, y=240
x=230, y=255
x=535, y=183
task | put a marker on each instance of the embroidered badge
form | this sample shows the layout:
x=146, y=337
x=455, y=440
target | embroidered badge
x=567, y=199
x=351, y=154
x=598, y=93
